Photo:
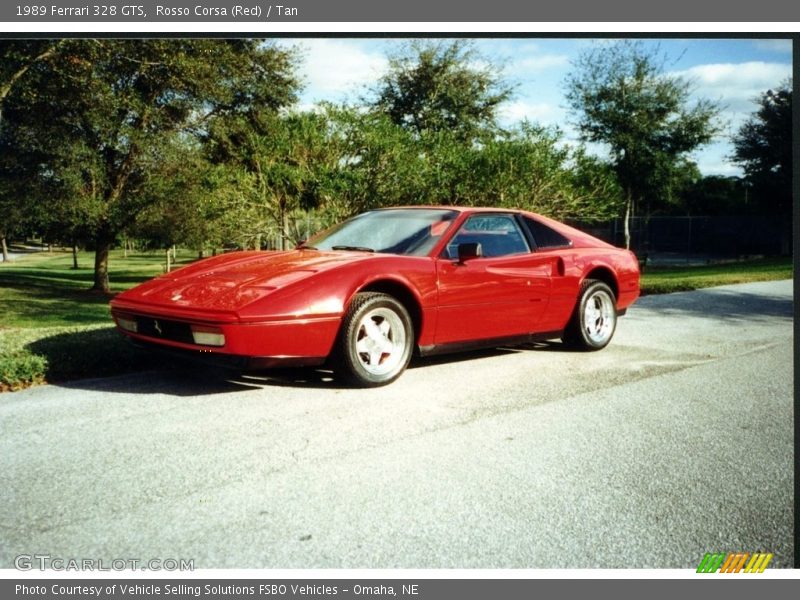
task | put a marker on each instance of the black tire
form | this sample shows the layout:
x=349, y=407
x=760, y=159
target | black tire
x=594, y=319
x=376, y=340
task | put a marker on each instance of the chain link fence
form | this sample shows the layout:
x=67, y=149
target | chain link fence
x=698, y=239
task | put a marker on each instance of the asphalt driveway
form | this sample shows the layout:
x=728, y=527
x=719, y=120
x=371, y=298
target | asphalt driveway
x=674, y=441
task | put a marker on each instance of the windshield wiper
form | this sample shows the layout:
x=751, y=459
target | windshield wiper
x=353, y=248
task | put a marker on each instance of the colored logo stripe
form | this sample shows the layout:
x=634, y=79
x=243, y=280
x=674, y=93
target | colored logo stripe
x=710, y=563
x=758, y=563
x=734, y=562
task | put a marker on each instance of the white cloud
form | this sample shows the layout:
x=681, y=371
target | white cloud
x=726, y=169
x=536, y=64
x=539, y=112
x=333, y=67
x=736, y=84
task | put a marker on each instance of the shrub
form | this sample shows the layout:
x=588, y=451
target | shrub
x=21, y=368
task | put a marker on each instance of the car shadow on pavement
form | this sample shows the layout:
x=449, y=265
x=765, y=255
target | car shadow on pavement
x=325, y=378
x=168, y=381
x=184, y=378
x=301, y=377
x=442, y=359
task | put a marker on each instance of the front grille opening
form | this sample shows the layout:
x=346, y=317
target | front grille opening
x=165, y=329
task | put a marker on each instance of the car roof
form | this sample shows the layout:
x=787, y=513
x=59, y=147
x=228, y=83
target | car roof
x=460, y=209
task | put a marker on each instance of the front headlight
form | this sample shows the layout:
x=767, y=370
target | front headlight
x=208, y=336
x=127, y=323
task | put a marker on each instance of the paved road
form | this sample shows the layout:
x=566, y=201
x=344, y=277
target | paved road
x=674, y=441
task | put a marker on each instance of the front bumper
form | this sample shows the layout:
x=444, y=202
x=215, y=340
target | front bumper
x=264, y=344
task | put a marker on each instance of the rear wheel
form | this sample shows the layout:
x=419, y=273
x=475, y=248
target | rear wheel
x=376, y=340
x=595, y=317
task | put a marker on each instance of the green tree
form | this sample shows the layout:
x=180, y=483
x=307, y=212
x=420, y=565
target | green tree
x=120, y=104
x=279, y=164
x=429, y=114
x=441, y=86
x=16, y=58
x=380, y=163
x=181, y=203
x=530, y=167
x=763, y=147
x=443, y=141
x=623, y=98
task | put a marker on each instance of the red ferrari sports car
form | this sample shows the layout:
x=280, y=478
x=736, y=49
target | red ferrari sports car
x=368, y=293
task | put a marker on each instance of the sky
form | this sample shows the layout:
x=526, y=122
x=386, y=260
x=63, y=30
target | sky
x=730, y=71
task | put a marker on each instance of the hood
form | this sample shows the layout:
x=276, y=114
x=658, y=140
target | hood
x=232, y=281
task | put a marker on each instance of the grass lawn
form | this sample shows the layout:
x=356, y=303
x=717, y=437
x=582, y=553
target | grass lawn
x=663, y=280
x=53, y=329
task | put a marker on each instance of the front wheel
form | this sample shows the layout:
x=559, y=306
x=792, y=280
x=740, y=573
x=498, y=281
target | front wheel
x=376, y=340
x=595, y=318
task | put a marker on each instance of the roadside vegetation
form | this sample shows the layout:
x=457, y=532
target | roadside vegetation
x=665, y=280
x=52, y=329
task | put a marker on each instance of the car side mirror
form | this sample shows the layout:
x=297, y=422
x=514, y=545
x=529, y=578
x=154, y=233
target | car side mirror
x=469, y=251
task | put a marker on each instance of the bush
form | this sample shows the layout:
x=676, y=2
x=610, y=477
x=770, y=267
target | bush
x=20, y=369
x=32, y=356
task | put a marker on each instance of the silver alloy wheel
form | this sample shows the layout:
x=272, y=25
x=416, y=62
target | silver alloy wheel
x=380, y=341
x=599, y=317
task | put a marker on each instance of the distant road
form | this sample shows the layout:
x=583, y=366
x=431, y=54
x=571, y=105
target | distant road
x=674, y=441
x=17, y=255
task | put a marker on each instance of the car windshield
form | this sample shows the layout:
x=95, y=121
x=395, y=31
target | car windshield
x=409, y=231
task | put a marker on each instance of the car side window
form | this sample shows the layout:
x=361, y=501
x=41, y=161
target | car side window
x=546, y=237
x=498, y=235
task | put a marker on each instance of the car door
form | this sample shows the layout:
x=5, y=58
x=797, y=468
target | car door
x=502, y=293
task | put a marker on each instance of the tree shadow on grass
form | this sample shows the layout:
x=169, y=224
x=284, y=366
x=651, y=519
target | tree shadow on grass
x=51, y=305
x=61, y=281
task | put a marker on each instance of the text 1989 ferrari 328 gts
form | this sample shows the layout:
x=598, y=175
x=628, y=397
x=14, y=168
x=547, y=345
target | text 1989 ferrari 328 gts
x=368, y=293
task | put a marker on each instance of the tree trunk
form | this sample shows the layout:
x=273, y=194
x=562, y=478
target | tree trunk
x=74, y=256
x=627, y=221
x=6, y=258
x=169, y=262
x=101, y=266
x=282, y=238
